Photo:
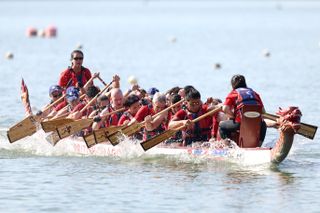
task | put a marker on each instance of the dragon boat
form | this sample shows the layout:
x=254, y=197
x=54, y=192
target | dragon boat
x=244, y=148
x=242, y=151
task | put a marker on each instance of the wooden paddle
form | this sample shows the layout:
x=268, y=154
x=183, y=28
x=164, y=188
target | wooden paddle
x=73, y=127
x=28, y=126
x=51, y=125
x=100, y=135
x=114, y=138
x=89, y=139
x=148, y=144
x=306, y=130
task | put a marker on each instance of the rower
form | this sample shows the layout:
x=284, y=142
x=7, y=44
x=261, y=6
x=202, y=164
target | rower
x=72, y=100
x=132, y=103
x=55, y=92
x=102, y=102
x=153, y=126
x=91, y=92
x=194, y=132
x=116, y=103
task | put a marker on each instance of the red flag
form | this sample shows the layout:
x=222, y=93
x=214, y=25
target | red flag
x=25, y=98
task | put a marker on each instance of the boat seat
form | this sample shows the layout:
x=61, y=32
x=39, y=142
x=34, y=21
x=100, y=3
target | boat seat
x=249, y=136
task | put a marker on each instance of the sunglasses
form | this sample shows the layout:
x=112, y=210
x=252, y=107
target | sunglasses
x=196, y=103
x=76, y=59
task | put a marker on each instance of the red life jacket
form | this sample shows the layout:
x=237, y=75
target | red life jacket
x=161, y=128
x=246, y=96
x=113, y=119
x=201, y=130
x=128, y=115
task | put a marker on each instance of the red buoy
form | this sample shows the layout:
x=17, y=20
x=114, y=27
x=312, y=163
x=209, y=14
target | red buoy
x=51, y=31
x=31, y=32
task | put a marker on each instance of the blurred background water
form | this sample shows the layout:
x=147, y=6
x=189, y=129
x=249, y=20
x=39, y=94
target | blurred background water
x=163, y=44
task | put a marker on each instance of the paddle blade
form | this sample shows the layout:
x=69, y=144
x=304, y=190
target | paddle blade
x=148, y=144
x=24, y=128
x=51, y=125
x=53, y=138
x=306, y=130
x=130, y=130
x=90, y=140
x=115, y=138
x=73, y=127
x=101, y=135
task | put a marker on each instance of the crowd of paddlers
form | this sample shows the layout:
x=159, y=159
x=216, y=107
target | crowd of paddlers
x=180, y=108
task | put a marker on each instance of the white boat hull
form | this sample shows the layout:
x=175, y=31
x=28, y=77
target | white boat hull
x=247, y=156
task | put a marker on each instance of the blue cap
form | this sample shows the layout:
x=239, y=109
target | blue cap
x=72, y=93
x=152, y=91
x=55, y=88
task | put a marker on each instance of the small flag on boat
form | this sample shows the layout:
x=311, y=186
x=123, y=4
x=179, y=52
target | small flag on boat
x=25, y=98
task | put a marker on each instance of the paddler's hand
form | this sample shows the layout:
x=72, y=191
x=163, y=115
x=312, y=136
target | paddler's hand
x=116, y=78
x=135, y=87
x=148, y=123
x=148, y=119
x=188, y=124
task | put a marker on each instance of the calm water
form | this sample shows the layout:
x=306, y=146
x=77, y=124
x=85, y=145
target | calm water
x=136, y=38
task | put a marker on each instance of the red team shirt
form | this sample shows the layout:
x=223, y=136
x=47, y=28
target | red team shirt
x=69, y=74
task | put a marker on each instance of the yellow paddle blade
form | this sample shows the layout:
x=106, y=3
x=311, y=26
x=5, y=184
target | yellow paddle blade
x=73, y=127
x=90, y=140
x=51, y=125
x=101, y=135
x=306, y=130
x=148, y=144
x=24, y=128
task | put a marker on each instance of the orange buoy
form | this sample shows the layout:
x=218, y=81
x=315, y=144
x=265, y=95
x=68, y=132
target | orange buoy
x=51, y=31
x=31, y=32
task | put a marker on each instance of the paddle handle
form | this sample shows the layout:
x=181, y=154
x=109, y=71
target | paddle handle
x=211, y=112
x=169, y=107
x=54, y=103
x=64, y=95
x=166, y=109
x=113, y=112
x=93, y=99
x=102, y=81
